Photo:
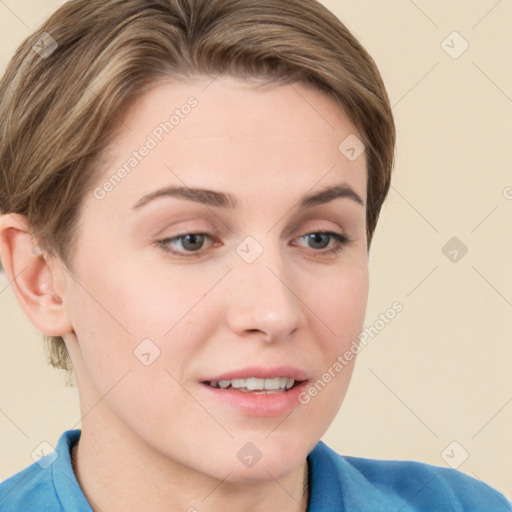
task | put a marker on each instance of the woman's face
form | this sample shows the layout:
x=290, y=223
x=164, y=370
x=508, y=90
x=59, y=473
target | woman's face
x=254, y=294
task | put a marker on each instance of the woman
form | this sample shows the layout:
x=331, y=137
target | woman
x=189, y=190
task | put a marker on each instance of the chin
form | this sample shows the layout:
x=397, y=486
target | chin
x=258, y=459
x=262, y=472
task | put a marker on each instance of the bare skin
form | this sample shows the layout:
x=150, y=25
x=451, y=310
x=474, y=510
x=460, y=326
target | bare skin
x=152, y=437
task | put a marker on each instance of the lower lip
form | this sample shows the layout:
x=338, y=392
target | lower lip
x=259, y=404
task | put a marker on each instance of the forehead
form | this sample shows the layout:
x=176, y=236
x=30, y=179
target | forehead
x=229, y=133
x=252, y=107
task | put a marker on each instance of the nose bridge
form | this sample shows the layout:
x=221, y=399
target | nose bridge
x=262, y=295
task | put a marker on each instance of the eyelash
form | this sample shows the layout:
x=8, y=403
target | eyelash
x=341, y=242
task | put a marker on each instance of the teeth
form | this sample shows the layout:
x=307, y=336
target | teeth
x=238, y=383
x=252, y=384
x=255, y=384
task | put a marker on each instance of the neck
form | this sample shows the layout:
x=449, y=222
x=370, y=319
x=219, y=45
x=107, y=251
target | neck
x=115, y=471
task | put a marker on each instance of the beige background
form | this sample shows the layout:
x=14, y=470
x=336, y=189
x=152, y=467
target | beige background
x=440, y=371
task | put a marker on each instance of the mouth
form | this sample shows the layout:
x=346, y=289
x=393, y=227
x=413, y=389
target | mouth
x=255, y=385
x=257, y=390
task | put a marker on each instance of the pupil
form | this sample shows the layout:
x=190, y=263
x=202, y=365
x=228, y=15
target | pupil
x=192, y=237
x=315, y=236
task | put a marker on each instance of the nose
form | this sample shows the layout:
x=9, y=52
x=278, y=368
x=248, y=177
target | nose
x=264, y=299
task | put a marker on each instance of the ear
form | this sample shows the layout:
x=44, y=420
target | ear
x=37, y=281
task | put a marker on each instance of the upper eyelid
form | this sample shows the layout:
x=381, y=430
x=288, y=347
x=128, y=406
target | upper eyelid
x=211, y=229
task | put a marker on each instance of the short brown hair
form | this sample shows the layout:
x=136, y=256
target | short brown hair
x=67, y=84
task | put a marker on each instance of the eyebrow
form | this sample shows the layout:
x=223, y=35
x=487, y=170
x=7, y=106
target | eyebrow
x=224, y=200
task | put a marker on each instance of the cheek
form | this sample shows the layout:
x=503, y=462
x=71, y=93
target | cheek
x=340, y=308
x=124, y=322
x=126, y=358
x=338, y=314
x=341, y=302
x=102, y=336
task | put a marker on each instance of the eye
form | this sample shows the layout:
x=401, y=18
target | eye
x=320, y=240
x=194, y=243
x=190, y=242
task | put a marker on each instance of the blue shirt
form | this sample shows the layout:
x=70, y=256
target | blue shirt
x=337, y=483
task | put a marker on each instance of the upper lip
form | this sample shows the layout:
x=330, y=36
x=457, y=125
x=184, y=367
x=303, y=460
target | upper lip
x=261, y=372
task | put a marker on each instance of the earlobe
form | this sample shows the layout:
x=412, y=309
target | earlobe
x=33, y=279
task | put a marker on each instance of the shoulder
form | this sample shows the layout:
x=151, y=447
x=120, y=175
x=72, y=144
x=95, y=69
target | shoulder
x=382, y=485
x=48, y=485
x=30, y=487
